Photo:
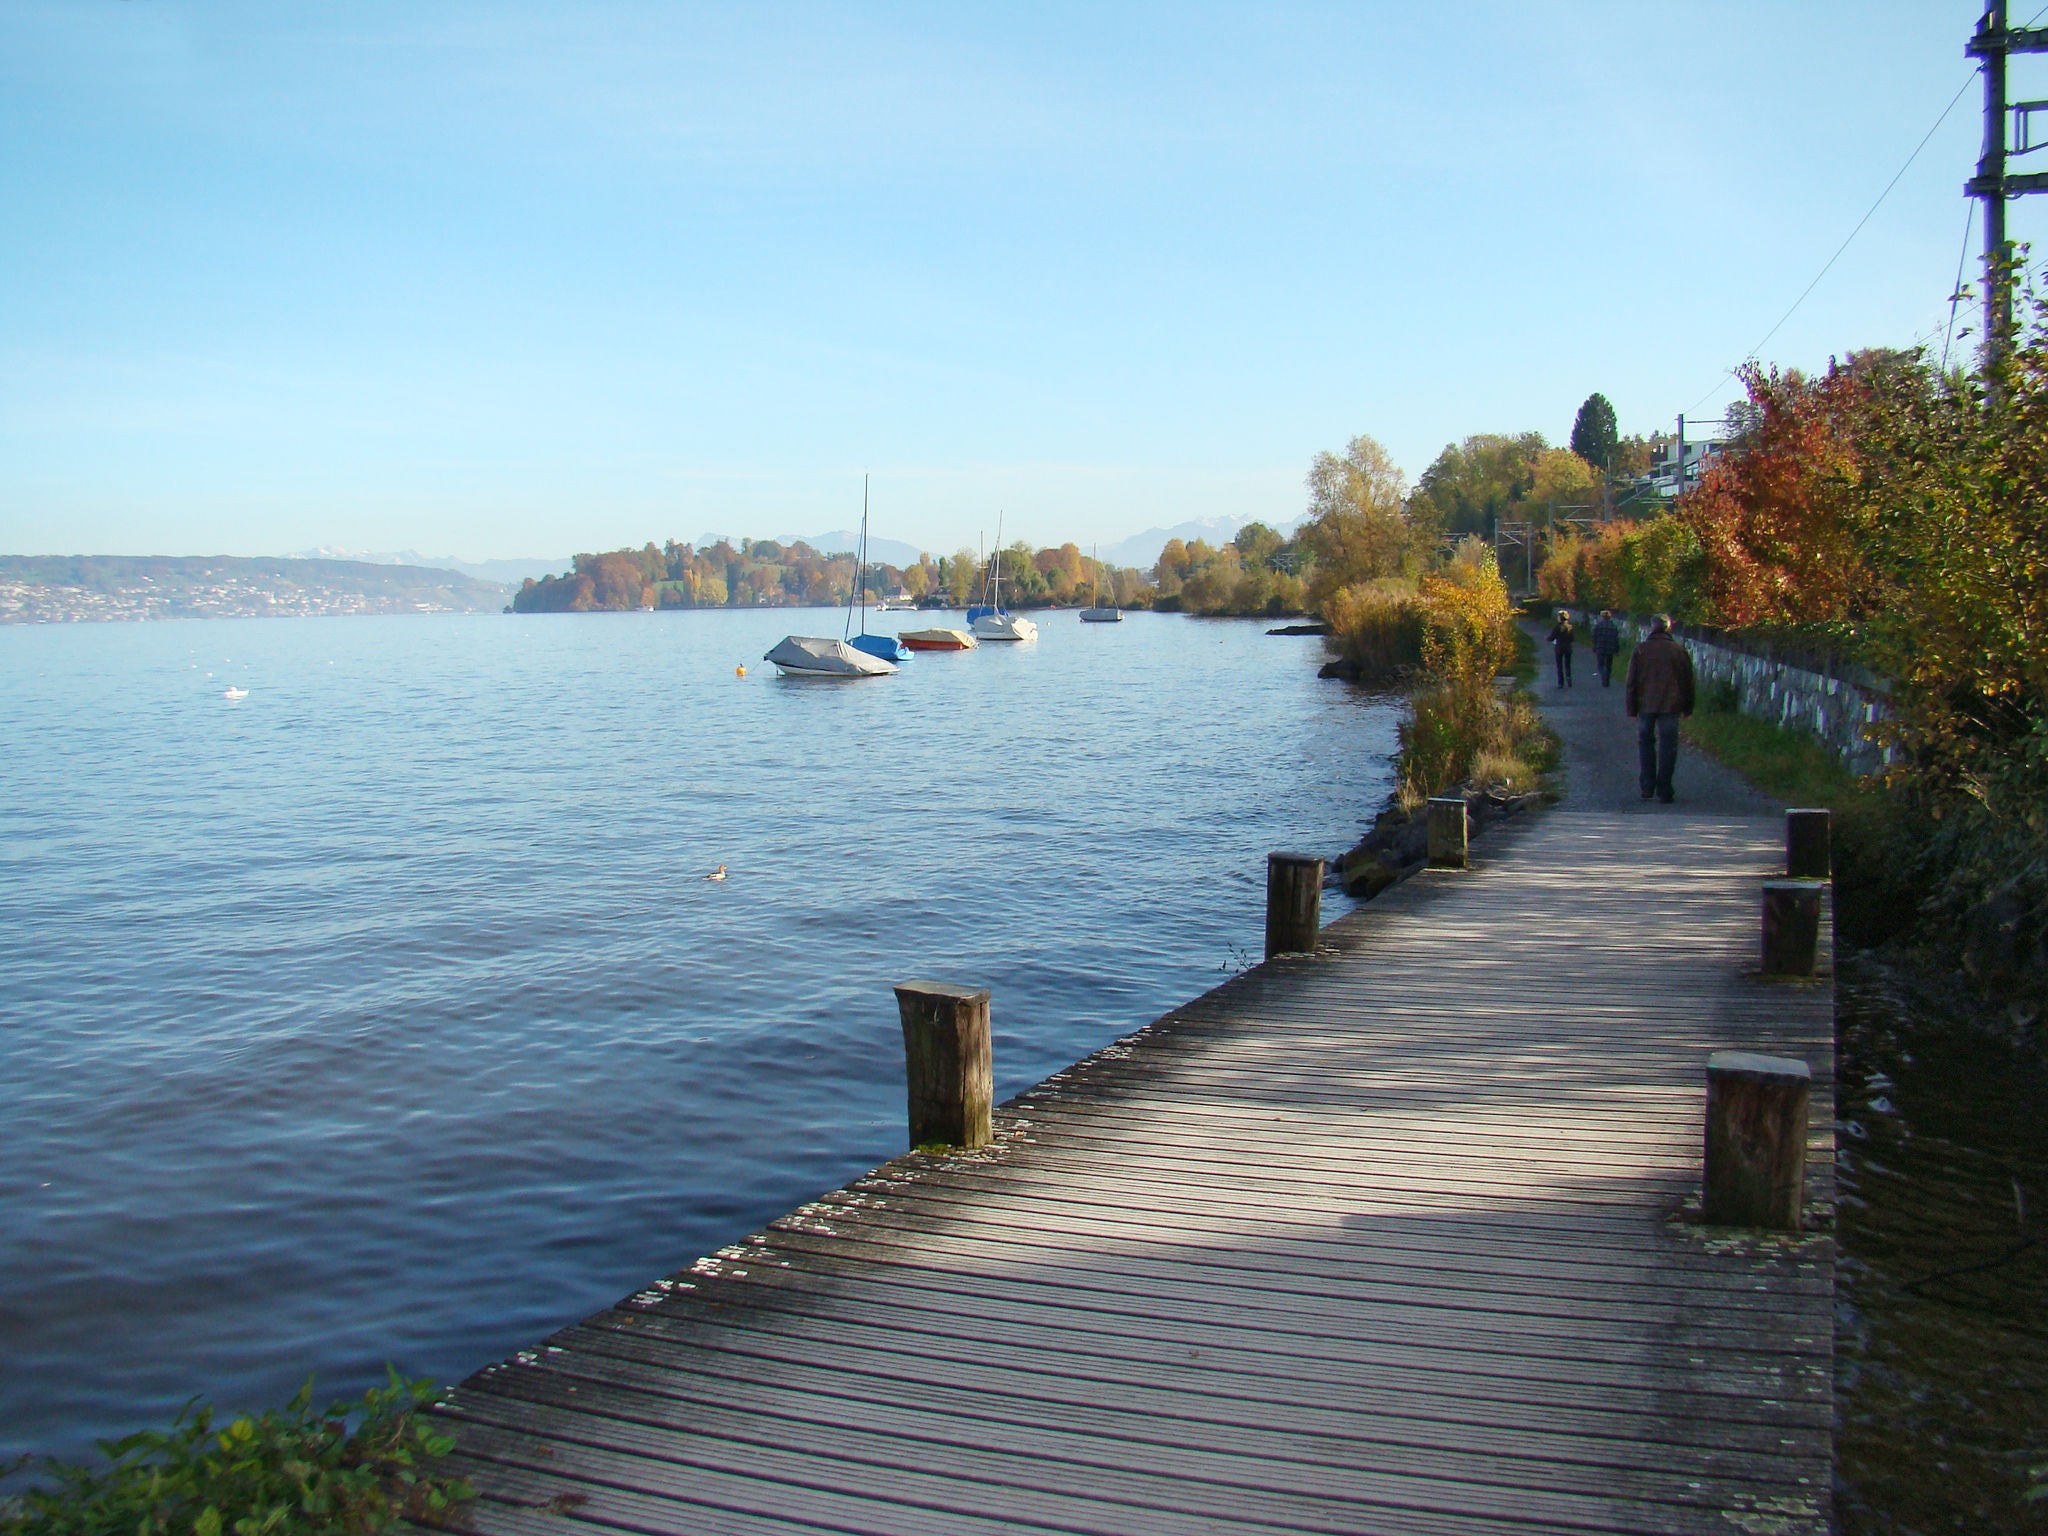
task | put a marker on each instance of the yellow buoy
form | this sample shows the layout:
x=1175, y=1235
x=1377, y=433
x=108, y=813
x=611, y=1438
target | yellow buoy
x=739, y=671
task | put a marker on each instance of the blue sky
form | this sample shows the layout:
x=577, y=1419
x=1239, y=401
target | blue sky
x=517, y=279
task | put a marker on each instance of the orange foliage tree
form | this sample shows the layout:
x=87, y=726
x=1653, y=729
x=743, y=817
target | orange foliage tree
x=1779, y=518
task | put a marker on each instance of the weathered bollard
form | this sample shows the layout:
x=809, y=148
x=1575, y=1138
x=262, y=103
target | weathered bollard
x=1756, y=1140
x=1809, y=844
x=1294, y=903
x=947, y=1063
x=1791, y=927
x=1448, y=831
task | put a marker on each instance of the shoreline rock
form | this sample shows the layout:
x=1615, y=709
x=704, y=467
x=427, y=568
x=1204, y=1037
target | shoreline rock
x=1398, y=844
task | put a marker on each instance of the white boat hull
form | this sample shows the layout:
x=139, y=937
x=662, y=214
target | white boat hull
x=816, y=656
x=1004, y=626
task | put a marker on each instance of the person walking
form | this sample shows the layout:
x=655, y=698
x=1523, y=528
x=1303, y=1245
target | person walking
x=1658, y=693
x=1606, y=645
x=1562, y=638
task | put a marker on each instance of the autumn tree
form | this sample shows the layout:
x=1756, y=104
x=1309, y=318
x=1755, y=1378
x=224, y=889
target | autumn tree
x=1562, y=480
x=1257, y=544
x=1778, y=520
x=1474, y=482
x=1358, y=527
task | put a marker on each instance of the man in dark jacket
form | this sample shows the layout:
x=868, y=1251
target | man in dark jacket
x=1658, y=691
x=1606, y=645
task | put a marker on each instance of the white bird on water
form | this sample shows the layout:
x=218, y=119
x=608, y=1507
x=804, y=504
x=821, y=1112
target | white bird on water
x=716, y=874
x=232, y=692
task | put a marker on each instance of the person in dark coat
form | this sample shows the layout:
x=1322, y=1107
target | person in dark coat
x=1562, y=638
x=1606, y=644
x=1658, y=693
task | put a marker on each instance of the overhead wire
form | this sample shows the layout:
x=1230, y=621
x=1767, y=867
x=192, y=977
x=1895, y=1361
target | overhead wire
x=1869, y=213
x=1955, y=294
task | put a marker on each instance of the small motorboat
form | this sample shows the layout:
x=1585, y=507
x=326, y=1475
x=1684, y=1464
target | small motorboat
x=938, y=640
x=821, y=656
x=232, y=692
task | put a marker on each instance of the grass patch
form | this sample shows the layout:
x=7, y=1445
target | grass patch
x=1879, y=846
x=1788, y=765
x=1524, y=669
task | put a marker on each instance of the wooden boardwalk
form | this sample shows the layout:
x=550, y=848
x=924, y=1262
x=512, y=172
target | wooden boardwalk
x=1390, y=1239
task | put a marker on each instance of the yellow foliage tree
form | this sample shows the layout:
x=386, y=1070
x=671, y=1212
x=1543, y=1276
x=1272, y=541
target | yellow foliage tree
x=1358, y=528
x=1563, y=479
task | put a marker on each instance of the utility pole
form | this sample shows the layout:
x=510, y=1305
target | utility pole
x=1990, y=45
x=1681, y=456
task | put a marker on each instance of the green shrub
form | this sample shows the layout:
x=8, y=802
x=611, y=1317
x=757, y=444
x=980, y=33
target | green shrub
x=290, y=1472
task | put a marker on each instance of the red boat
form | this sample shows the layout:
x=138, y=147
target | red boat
x=938, y=640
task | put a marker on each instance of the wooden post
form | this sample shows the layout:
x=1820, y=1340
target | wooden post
x=1447, y=832
x=947, y=1063
x=1294, y=903
x=1809, y=848
x=1791, y=931
x=1756, y=1140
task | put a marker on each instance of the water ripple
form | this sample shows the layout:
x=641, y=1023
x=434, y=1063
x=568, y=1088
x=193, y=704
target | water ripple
x=384, y=1015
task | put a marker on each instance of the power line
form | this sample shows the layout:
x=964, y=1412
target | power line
x=1887, y=192
x=1955, y=295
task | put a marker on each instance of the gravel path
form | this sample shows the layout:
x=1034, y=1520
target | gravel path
x=1600, y=749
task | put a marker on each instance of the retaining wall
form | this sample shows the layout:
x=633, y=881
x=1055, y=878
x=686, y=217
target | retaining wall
x=1837, y=704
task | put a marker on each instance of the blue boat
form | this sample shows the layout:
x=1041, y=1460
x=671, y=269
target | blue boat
x=881, y=647
x=887, y=647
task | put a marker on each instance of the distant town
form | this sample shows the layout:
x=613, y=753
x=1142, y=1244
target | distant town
x=102, y=588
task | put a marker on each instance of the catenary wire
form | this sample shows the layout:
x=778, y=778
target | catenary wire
x=1867, y=216
x=1955, y=294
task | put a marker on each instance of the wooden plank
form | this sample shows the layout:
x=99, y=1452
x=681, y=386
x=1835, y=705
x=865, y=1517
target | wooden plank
x=1396, y=1404
x=1386, y=1237
x=1734, y=1386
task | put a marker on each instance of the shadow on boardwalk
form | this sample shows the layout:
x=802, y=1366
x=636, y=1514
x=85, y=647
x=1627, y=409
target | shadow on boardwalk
x=1392, y=1238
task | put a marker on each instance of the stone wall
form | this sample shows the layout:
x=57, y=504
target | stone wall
x=1833, y=702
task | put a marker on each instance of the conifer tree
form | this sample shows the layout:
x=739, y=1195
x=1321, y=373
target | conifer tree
x=1595, y=433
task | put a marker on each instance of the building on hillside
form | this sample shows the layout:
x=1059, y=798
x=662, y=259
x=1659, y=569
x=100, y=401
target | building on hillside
x=1663, y=480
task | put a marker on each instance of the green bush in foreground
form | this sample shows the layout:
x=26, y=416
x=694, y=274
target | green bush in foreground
x=290, y=1472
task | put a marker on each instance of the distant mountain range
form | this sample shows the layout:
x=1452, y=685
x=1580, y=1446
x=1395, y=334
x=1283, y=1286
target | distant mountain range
x=505, y=572
x=1141, y=550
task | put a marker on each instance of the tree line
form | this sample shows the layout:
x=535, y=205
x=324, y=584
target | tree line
x=1363, y=523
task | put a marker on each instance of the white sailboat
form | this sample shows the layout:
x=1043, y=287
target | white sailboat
x=1095, y=613
x=882, y=647
x=822, y=656
x=991, y=623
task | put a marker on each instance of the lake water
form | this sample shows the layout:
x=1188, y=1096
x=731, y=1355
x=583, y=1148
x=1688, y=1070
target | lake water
x=385, y=1014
